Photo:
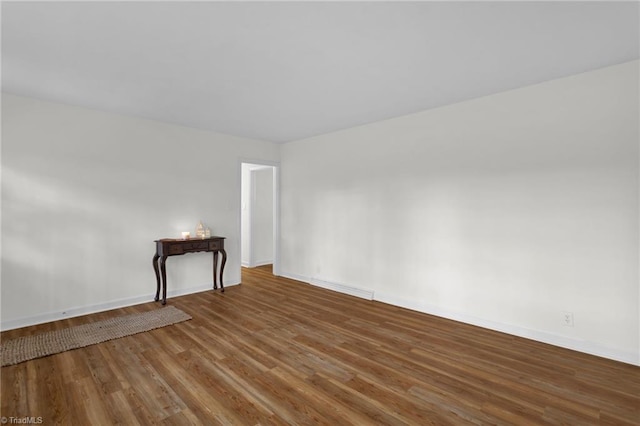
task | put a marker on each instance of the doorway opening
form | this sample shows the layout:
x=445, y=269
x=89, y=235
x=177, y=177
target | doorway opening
x=259, y=216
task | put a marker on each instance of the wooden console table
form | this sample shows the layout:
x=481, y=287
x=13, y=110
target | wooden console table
x=174, y=247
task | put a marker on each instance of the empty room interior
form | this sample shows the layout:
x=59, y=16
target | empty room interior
x=358, y=212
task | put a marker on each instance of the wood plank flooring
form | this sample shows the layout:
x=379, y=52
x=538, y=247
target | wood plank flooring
x=274, y=351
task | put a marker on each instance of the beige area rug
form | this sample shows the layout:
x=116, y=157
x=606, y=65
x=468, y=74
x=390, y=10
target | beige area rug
x=21, y=349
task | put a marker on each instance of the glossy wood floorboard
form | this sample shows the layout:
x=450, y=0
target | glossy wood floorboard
x=274, y=351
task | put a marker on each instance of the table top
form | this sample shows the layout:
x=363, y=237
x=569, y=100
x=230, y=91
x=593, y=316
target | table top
x=173, y=240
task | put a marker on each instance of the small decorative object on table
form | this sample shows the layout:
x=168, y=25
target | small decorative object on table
x=200, y=230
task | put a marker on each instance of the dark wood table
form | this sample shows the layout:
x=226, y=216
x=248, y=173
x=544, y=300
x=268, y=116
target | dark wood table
x=174, y=247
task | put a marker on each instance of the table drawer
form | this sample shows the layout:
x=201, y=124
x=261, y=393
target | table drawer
x=216, y=245
x=195, y=246
x=175, y=249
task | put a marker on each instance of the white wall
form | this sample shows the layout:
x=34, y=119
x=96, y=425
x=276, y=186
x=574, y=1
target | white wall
x=262, y=216
x=503, y=211
x=84, y=195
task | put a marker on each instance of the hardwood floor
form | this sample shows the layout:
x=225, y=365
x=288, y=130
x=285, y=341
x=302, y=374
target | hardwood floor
x=277, y=351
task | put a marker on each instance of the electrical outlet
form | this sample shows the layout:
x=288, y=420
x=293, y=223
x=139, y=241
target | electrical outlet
x=567, y=319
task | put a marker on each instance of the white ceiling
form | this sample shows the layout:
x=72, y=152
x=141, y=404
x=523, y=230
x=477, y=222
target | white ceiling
x=283, y=71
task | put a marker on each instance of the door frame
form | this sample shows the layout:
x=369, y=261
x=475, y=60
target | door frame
x=276, y=206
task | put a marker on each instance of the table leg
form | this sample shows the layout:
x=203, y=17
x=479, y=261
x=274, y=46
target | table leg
x=215, y=270
x=155, y=268
x=224, y=260
x=163, y=271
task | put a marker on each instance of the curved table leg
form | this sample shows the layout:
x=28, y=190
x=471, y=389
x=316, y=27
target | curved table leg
x=163, y=271
x=215, y=270
x=224, y=260
x=155, y=268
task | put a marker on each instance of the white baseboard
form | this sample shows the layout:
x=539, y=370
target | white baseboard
x=293, y=276
x=73, y=312
x=256, y=264
x=540, y=336
x=101, y=307
x=340, y=288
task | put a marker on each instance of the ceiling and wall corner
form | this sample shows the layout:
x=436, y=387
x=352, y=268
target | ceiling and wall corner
x=283, y=71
